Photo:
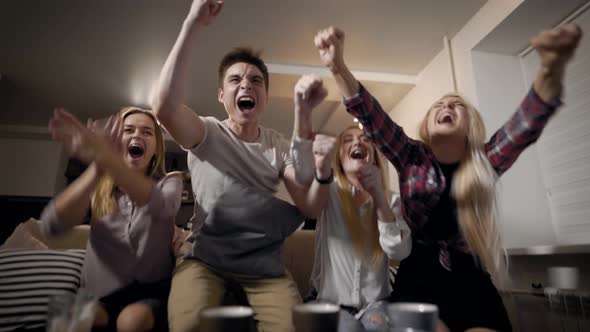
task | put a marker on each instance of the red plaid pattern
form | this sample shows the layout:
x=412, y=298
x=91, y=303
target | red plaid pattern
x=420, y=177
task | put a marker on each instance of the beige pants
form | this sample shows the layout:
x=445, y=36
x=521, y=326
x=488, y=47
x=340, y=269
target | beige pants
x=195, y=286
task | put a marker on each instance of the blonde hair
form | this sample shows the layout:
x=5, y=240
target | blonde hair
x=360, y=236
x=103, y=200
x=474, y=189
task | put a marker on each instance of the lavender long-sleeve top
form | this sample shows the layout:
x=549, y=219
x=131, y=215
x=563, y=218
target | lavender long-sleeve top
x=132, y=244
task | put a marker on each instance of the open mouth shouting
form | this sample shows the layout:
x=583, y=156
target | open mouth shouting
x=136, y=150
x=359, y=153
x=446, y=118
x=246, y=104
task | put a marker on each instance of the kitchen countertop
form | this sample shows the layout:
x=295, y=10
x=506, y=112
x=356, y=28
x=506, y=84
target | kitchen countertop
x=546, y=293
x=550, y=250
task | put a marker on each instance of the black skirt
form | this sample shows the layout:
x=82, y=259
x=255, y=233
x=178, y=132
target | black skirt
x=466, y=297
x=155, y=295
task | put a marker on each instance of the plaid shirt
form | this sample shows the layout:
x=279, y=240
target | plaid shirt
x=420, y=177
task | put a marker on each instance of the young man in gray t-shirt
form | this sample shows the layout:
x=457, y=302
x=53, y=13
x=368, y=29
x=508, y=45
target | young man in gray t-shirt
x=234, y=165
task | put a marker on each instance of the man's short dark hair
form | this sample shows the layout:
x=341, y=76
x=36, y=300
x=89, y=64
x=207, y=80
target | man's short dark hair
x=246, y=55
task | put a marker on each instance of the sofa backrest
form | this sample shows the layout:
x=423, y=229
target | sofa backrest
x=298, y=251
x=74, y=239
x=298, y=254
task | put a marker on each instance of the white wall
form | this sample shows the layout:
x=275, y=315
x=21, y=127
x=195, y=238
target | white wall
x=433, y=80
x=31, y=167
x=524, y=208
x=481, y=24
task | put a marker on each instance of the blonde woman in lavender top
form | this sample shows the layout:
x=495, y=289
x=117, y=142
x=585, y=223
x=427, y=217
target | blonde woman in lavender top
x=129, y=256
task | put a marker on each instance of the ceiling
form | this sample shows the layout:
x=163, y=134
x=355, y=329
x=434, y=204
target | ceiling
x=525, y=21
x=95, y=56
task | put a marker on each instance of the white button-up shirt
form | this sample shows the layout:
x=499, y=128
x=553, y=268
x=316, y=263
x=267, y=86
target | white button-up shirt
x=340, y=275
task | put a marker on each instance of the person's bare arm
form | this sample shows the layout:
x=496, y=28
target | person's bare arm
x=309, y=195
x=312, y=199
x=100, y=147
x=183, y=124
x=555, y=48
x=330, y=45
x=308, y=93
x=72, y=204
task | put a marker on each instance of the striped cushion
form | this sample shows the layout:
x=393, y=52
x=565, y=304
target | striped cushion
x=28, y=278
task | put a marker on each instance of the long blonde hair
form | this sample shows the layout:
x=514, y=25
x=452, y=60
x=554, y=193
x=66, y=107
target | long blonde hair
x=359, y=235
x=103, y=200
x=474, y=189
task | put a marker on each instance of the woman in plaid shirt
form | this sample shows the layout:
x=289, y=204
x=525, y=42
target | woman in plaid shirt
x=447, y=182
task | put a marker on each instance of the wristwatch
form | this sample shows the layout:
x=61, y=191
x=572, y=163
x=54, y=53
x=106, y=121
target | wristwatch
x=329, y=180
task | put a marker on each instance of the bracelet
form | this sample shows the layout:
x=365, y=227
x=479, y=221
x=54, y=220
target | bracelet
x=329, y=180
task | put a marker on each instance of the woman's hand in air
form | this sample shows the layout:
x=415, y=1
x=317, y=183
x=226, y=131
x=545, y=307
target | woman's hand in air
x=324, y=148
x=309, y=92
x=85, y=143
x=371, y=181
x=330, y=45
x=556, y=46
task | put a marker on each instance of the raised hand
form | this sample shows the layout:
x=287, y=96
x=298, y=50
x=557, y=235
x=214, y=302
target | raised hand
x=371, y=181
x=309, y=93
x=324, y=148
x=111, y=133
x=69, y=132
x=205, y=11
x=330, y=45
x=556, y=46
x=85, y=142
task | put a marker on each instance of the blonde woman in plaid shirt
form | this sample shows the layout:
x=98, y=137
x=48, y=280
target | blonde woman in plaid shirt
x=447, y=182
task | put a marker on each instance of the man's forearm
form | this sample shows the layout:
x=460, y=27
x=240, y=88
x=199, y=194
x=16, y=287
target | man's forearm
x=171, y=86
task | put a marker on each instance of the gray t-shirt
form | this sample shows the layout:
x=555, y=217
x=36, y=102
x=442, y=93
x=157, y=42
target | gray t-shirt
x=237, y=223
x=222, y=158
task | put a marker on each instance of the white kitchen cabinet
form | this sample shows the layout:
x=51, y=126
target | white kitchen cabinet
x=564, y=147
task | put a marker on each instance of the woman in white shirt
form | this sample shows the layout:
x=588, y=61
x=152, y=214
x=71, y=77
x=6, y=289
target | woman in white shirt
x=359, y=229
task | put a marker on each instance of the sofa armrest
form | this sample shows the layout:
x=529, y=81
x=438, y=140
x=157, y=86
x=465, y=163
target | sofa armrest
x=76, y=238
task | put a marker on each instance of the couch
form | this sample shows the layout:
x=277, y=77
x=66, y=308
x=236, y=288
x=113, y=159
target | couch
x=32, y=272
x=298, y=251
x=56, y=268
